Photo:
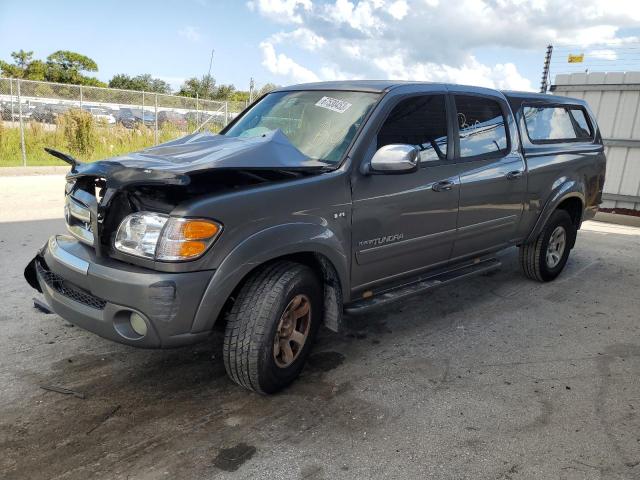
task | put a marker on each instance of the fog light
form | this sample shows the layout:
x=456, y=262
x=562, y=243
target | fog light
x=138, y=324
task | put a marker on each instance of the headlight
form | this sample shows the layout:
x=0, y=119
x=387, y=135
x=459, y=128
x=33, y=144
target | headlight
x=160, y=237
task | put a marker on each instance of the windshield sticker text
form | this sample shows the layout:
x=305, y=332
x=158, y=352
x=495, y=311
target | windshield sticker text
x=333, y=104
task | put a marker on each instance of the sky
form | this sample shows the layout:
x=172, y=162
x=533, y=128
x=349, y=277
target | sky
x=494, y=43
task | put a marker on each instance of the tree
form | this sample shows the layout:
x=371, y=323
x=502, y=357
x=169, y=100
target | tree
x=224, y=92
x=22, y=59
x=140, y=82
x=266, y=88
x=204, y=88
x=65, y=66
x=21, y=62
x=72, y=61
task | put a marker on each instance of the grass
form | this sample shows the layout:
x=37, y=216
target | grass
x=106, y=142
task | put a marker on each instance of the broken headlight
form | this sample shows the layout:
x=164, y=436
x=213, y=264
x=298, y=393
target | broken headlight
x=159, y=237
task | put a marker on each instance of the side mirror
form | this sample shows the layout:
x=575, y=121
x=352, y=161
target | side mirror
x=395, y=158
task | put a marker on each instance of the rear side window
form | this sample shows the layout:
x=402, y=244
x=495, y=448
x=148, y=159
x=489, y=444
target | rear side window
x=481, y=125
x=420, y=121
x=556, y=123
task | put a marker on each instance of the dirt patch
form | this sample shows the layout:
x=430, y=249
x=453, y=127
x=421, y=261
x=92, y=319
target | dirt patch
x=324, y=361
x=230, y=459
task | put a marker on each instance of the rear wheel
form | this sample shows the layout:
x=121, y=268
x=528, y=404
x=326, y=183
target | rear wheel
x=545, y=257
x=272, y=325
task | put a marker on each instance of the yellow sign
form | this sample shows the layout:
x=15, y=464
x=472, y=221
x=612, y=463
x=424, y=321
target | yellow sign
x=576, y=58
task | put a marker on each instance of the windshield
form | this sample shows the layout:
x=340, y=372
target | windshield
x=321, y=124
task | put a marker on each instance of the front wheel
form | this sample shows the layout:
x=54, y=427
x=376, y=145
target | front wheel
x=272, y=325
x=545, y=257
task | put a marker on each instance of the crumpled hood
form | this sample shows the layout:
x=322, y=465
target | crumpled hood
x=171, y=162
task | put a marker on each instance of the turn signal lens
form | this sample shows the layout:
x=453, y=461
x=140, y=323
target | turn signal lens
x=198, y=229
x=186, y=238
x=191, y=248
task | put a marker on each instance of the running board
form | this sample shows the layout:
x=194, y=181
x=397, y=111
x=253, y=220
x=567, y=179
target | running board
x=421, y=285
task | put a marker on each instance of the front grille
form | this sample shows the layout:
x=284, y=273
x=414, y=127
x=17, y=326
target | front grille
x=63, y=287
x=78, y=218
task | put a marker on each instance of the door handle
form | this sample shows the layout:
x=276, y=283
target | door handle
x=442, y=186
x=514, y=175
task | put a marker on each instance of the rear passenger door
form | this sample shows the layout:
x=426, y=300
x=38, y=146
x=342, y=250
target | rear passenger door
x=493, y=180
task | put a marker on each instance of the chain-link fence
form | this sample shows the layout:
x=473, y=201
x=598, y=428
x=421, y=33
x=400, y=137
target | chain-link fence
x=93, y=122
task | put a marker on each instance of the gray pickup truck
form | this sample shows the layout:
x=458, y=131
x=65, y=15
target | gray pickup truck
x=318, y=199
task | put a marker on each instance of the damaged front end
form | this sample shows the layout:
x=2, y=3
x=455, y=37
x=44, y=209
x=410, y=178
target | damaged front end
x=99, y=195
x=90, y=282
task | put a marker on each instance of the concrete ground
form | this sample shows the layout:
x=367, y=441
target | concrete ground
x=497, y=377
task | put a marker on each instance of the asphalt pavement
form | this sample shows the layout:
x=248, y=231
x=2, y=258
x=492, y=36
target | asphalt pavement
x=496, y=377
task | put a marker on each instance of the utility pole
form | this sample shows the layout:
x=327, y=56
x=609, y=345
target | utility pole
x=252, y=85
x=209, y=86
x=211, y=61
x=544, y=85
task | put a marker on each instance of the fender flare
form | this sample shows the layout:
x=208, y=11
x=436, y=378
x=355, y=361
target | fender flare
x=280, y=240
x=566, y=189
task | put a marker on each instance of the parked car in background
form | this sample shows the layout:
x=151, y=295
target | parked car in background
x=49, y=113
x=170, y=117
x=210, y=118
x=11, y=110
x=101, y=114
x=321, y=198
x=132, y=117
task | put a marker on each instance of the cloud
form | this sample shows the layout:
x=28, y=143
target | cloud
x=301, y=37
x=190, y=33
x=603, y=54
x=281, y=64
x=281, y=11
x=472, y=72
x=399, y=9
x=432, y=39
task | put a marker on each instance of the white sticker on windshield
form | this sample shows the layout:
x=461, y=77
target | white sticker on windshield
x=333, y=104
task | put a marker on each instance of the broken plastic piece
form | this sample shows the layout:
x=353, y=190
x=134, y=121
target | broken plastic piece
x=41, y=305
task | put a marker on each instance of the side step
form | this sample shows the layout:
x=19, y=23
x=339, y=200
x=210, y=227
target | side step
x=421, y=285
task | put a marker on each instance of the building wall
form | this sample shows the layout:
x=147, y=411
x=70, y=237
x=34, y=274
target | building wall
x=615, y=100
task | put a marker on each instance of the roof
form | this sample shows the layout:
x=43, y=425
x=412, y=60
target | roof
x=540, y=97
x=515, y=98
x=377, y=86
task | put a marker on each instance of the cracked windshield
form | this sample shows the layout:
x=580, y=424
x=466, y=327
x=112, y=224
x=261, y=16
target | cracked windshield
x=321, y=124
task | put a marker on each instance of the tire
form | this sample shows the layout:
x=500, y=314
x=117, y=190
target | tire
x=533, y=256
x=251, y=356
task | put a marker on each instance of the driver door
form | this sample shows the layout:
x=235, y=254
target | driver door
x=405, y=223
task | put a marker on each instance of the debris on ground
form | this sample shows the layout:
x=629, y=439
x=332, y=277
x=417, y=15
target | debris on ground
x=64, y=391
x=42, y=306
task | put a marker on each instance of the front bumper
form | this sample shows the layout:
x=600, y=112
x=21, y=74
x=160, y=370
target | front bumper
x=99, y=295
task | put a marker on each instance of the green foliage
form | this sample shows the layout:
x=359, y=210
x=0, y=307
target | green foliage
x=21, y=58
x=109, y=141
x=144, y=83
x=79, y=130
x=72, y=61
x=62, y=66
x=24, y=67
x=203, y=88
x=266, y=88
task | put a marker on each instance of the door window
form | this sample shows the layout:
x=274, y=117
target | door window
x=420, y=121
x=481, y=125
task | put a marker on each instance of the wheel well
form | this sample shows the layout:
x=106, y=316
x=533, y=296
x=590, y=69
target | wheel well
x=573, y=206
x=327, y=274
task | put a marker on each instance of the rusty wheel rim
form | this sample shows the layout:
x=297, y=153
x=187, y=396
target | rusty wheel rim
x=292, y=332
